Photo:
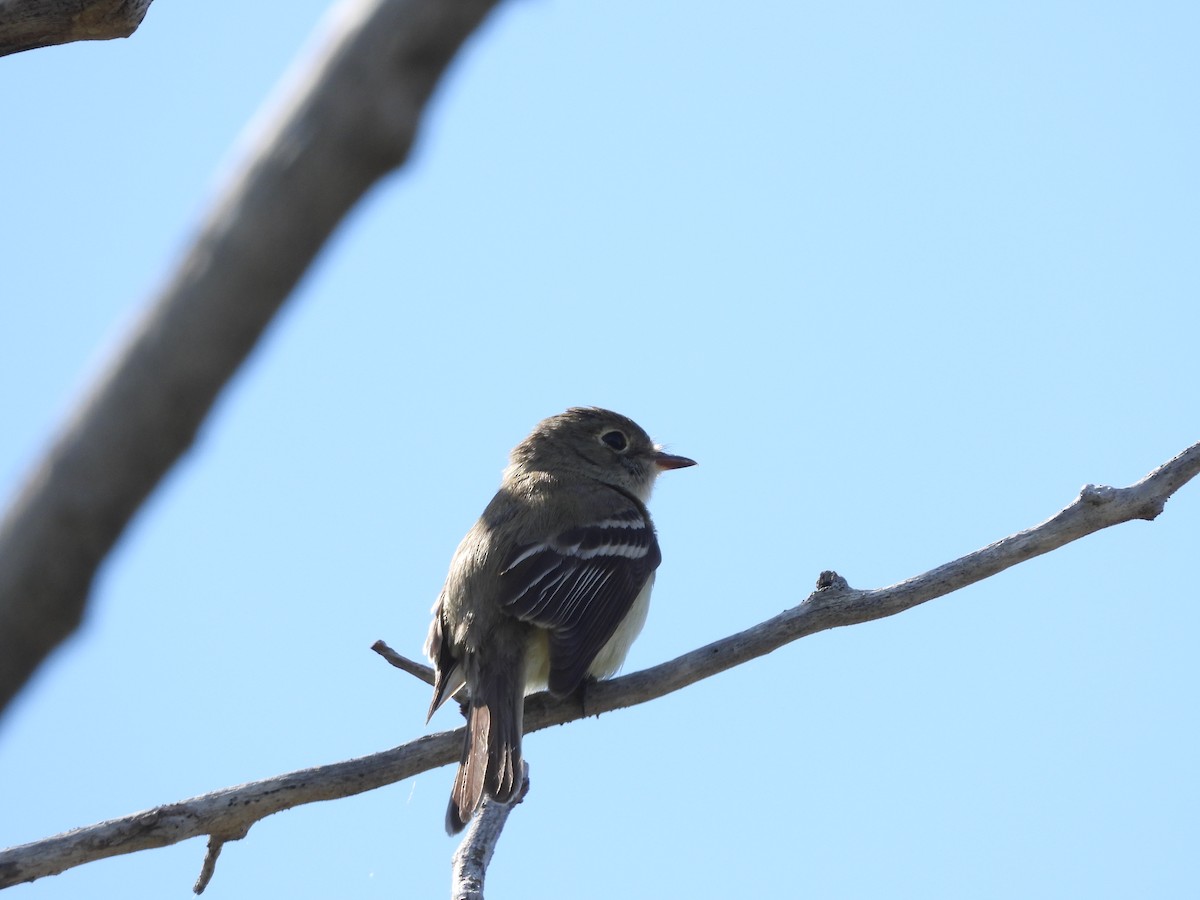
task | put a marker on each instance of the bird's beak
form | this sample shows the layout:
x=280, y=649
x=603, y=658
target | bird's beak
x=670, y=461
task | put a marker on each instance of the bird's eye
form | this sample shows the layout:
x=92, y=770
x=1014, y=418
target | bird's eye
x=615, y=439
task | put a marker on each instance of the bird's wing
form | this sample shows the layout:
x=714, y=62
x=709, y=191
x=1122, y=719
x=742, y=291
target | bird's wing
x=579, y=585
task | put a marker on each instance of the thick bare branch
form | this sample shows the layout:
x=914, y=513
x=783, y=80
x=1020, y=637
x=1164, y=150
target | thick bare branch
x=348, y=120
x=229, y=813
x=30, y=24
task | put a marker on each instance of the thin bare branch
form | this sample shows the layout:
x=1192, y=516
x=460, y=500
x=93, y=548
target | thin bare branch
x=209, y=867
x=226, y=812
x=474, y=854
x=232, y=811
x=835, y=604
x=416, y=669
x=30, y=24
x=347, y=120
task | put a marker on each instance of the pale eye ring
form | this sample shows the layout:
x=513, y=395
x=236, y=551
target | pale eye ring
x=615, y=439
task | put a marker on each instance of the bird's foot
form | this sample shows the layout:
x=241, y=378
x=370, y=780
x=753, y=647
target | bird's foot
x=582, y=693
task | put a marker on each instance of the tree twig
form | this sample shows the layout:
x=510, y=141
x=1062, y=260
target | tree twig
x=346, y=122
x=209, y=867
x=233, y=810
x=416, y=669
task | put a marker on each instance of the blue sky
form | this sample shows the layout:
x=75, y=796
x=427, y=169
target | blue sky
x=902, y=277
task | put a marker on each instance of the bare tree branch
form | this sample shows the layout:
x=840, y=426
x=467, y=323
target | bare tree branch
x=229, y=813
x=30, y=24
x=348, y=120
x=474, y=854
x=209, y=867
x=418, y=670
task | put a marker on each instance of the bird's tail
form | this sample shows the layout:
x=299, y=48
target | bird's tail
x=491, y=760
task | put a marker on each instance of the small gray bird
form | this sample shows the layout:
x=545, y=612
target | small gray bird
x=549, y=588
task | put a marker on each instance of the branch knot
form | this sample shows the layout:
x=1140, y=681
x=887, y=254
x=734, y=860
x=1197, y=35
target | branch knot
x=1096, y=494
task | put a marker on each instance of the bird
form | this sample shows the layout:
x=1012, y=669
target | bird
x=547, y=590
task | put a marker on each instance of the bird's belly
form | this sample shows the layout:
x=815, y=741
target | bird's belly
x=537, y=661
x=612, y=655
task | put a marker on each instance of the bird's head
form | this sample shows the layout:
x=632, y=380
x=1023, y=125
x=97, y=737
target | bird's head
x=599, y=444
